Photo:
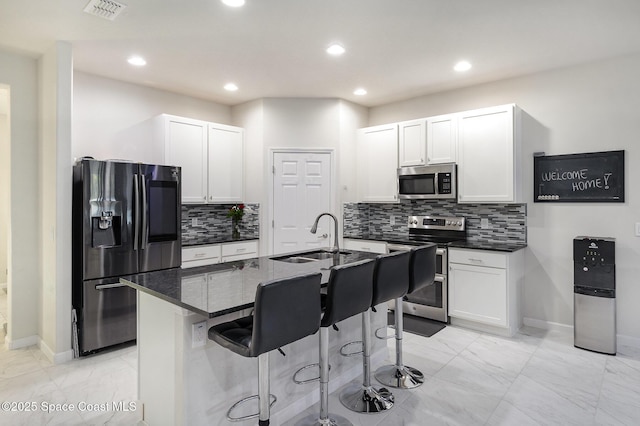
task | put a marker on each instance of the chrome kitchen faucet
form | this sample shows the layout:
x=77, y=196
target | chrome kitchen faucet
x=314, y=228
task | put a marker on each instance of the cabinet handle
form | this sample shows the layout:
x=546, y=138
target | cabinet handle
x=199, y=255
x=240, y=250
x=471, y=259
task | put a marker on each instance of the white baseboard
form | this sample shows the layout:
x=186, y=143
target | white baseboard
x=632, y=342
x=25, y=342
x=546, y=325
x=55, y=358
x=622, y=340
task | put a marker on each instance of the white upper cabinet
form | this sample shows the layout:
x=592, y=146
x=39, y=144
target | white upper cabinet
x=412, y=144
x=210, y=155
x=378, y=163
x=488, y=153
x=442, y=139
x=185, y=145
x=226, y=159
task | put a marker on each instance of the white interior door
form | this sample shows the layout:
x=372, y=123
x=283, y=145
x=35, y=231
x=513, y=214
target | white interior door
x=301, y=191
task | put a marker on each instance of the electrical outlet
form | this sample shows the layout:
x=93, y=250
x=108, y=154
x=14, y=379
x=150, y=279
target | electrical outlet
x=198, y=334
x=392, y=220
x=484, y=223
x=637, y=229
x=194, y=221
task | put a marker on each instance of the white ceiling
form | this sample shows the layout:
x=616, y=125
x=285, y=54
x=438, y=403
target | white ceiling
x=396, y=49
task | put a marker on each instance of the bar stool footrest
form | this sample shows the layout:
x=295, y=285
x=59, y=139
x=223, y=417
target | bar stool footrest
x=272, y=397
x=345, y=346
x=385, y=336
x=306, y=367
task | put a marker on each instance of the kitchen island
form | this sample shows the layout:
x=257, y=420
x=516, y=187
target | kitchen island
x=185, y=379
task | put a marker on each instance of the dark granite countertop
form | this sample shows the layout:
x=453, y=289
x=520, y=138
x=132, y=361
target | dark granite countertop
x=205, y=239
x=504, y=246
x=219, y=289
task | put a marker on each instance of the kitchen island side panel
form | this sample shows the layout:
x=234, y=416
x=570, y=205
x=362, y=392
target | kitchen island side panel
x=182, y=385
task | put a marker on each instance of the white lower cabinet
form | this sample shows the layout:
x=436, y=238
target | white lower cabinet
x=485, y=288
x=365, y=245
x=211, y=254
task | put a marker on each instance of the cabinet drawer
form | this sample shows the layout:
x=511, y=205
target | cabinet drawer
x=478, y=258
x=198, y=253
x=240, y=249
x=366, y=245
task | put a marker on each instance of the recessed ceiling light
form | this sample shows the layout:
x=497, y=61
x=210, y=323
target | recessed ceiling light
x=335, y=50
x=462, y=66
x=137, y=61
x=360, y=92
x=233, y=3
x=231, y=87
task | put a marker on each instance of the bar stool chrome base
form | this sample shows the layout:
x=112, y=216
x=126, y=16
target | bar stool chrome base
x=366, y=399
x=399, y=377
x=333, y=420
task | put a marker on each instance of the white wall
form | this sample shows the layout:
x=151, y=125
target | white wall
x=112, y=119
x=20, y=74
x=5, y=176
x=587, y=108
x=55, y=77
x=296, y=123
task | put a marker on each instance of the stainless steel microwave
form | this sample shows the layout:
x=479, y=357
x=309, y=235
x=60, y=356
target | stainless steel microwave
x=436, y=182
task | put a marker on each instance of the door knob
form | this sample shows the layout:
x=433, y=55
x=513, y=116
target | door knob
x=323, y=236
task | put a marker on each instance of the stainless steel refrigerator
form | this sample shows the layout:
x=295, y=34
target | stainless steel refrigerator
x=126, y=220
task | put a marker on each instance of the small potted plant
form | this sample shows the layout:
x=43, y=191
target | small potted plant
x=235, y=213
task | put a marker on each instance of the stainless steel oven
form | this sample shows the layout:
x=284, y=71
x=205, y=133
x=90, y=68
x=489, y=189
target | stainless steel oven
x=431, y=302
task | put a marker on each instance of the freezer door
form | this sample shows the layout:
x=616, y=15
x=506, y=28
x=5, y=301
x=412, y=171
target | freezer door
x=160, y=236
x=103, y=210
x=108, y=314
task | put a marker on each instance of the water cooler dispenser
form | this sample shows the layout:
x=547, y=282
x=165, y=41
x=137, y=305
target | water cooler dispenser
x=594, y=294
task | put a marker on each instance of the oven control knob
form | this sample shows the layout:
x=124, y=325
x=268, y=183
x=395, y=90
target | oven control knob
x=448, y=222
x=458, y=223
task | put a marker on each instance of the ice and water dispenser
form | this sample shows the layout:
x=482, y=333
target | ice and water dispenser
x=594, y=294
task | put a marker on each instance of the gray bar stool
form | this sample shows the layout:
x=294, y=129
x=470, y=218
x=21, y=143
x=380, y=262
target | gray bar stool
x=286, y=310
x=349, y=293
x=422, y=271
x=390, y=281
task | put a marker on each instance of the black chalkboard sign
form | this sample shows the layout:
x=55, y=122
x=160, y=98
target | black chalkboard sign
x=588, y=177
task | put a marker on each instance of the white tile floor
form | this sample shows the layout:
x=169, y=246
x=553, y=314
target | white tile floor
x=535, y=378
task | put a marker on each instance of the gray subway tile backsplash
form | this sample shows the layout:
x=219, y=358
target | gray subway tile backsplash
x=507, y=222
x=212, y=220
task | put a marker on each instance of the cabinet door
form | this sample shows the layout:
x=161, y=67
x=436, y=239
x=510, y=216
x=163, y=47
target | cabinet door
x=378, y=163
x=412, y=143
x=478, y=293
x=442, y=139
x=186, y=146
x=239, y=251
x=486, y=155
x=226, y=165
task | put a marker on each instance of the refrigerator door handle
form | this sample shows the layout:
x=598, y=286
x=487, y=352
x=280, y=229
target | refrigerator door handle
x=136, y=214
x=143, y=241
x=107, y=286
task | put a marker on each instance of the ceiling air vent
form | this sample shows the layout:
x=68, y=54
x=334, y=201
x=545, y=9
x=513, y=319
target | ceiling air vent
x=106, y=9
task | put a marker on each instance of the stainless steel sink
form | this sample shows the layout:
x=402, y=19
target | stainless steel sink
x=309, y=256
